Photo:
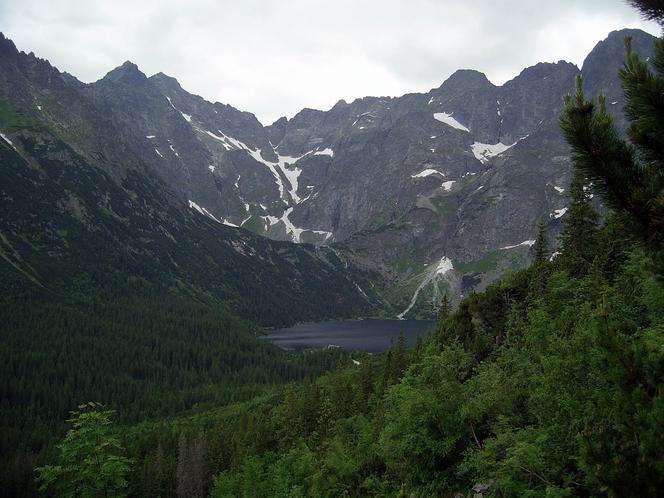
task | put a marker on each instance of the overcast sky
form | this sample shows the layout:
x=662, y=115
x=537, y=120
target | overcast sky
x=274, y=57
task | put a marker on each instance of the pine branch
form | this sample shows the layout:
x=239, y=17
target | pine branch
x=652, y=10
x=645, y=107
x=604, y=158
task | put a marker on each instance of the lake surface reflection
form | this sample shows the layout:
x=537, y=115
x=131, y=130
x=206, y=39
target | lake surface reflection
x=353, y=335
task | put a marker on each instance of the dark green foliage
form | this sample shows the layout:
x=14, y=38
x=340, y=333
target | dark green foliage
x=555, y=396
x=146, y=356
x=540, y=249
x=651, y=9
x=578, y=245
x=540, y=268
x=480, y=321
x=629, y=176
x=445, y=308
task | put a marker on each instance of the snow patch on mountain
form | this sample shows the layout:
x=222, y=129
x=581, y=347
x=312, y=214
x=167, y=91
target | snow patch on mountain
x=528, y=243
x=207, y=213
x=285, y=164
x=229, y=143
x=559, y=213
x=324, y=152
x=323, y=232
x=293, y=231
x=187, y=117
x=447, y=186
x=202, y=210
x=360, y=116
x=195, y=206
x=427, y=172
x=483, y=152
x=296, y=233
x=443, y=117
x=443, y=267
x=4, y=137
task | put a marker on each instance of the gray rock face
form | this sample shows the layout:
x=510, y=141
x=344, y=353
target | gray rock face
x=439, y=192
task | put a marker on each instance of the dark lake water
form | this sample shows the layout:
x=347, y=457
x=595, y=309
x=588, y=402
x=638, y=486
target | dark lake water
x=353, y=335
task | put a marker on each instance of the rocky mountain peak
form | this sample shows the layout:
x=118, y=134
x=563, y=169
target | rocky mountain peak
x=127, y=73
x=166, y=82
x=605, y=59
x=544, y=70
x=467, y=78
x=340, y=103
x=7, y=47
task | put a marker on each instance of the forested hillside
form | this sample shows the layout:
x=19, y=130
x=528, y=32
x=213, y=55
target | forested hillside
x=547, y=384
x=110, y=292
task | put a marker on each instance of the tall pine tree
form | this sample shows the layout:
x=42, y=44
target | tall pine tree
x=579, y=239
x=539, y=269
x=540, y=249
x=629, y=174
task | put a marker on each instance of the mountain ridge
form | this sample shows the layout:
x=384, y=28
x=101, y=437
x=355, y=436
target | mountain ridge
x=460, y=173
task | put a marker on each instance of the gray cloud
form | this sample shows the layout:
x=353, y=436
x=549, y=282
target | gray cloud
x=274, y=57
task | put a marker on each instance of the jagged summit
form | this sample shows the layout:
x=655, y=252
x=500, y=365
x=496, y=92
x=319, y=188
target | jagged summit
x=543, y=70
x=166, y=81
x=7, y=47
x=467, y=78
x=127, y=73
x=607, y=57
x=613, y=46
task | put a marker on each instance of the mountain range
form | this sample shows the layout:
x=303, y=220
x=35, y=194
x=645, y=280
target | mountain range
x=375, y=207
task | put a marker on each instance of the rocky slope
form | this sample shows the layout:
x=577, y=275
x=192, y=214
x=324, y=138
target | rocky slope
x=84, y=217
x=436, y=192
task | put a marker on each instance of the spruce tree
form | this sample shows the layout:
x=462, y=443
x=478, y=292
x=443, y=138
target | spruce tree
x=366, y=384
x=400, y=358
x=540, y=249
x=539, y=269
x=579, y=239
x=444, y=309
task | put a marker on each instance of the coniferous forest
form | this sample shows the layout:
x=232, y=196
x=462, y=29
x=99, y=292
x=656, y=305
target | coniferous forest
x=548, y=383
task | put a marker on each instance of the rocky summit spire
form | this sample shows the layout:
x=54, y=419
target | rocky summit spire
x=127, y=73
